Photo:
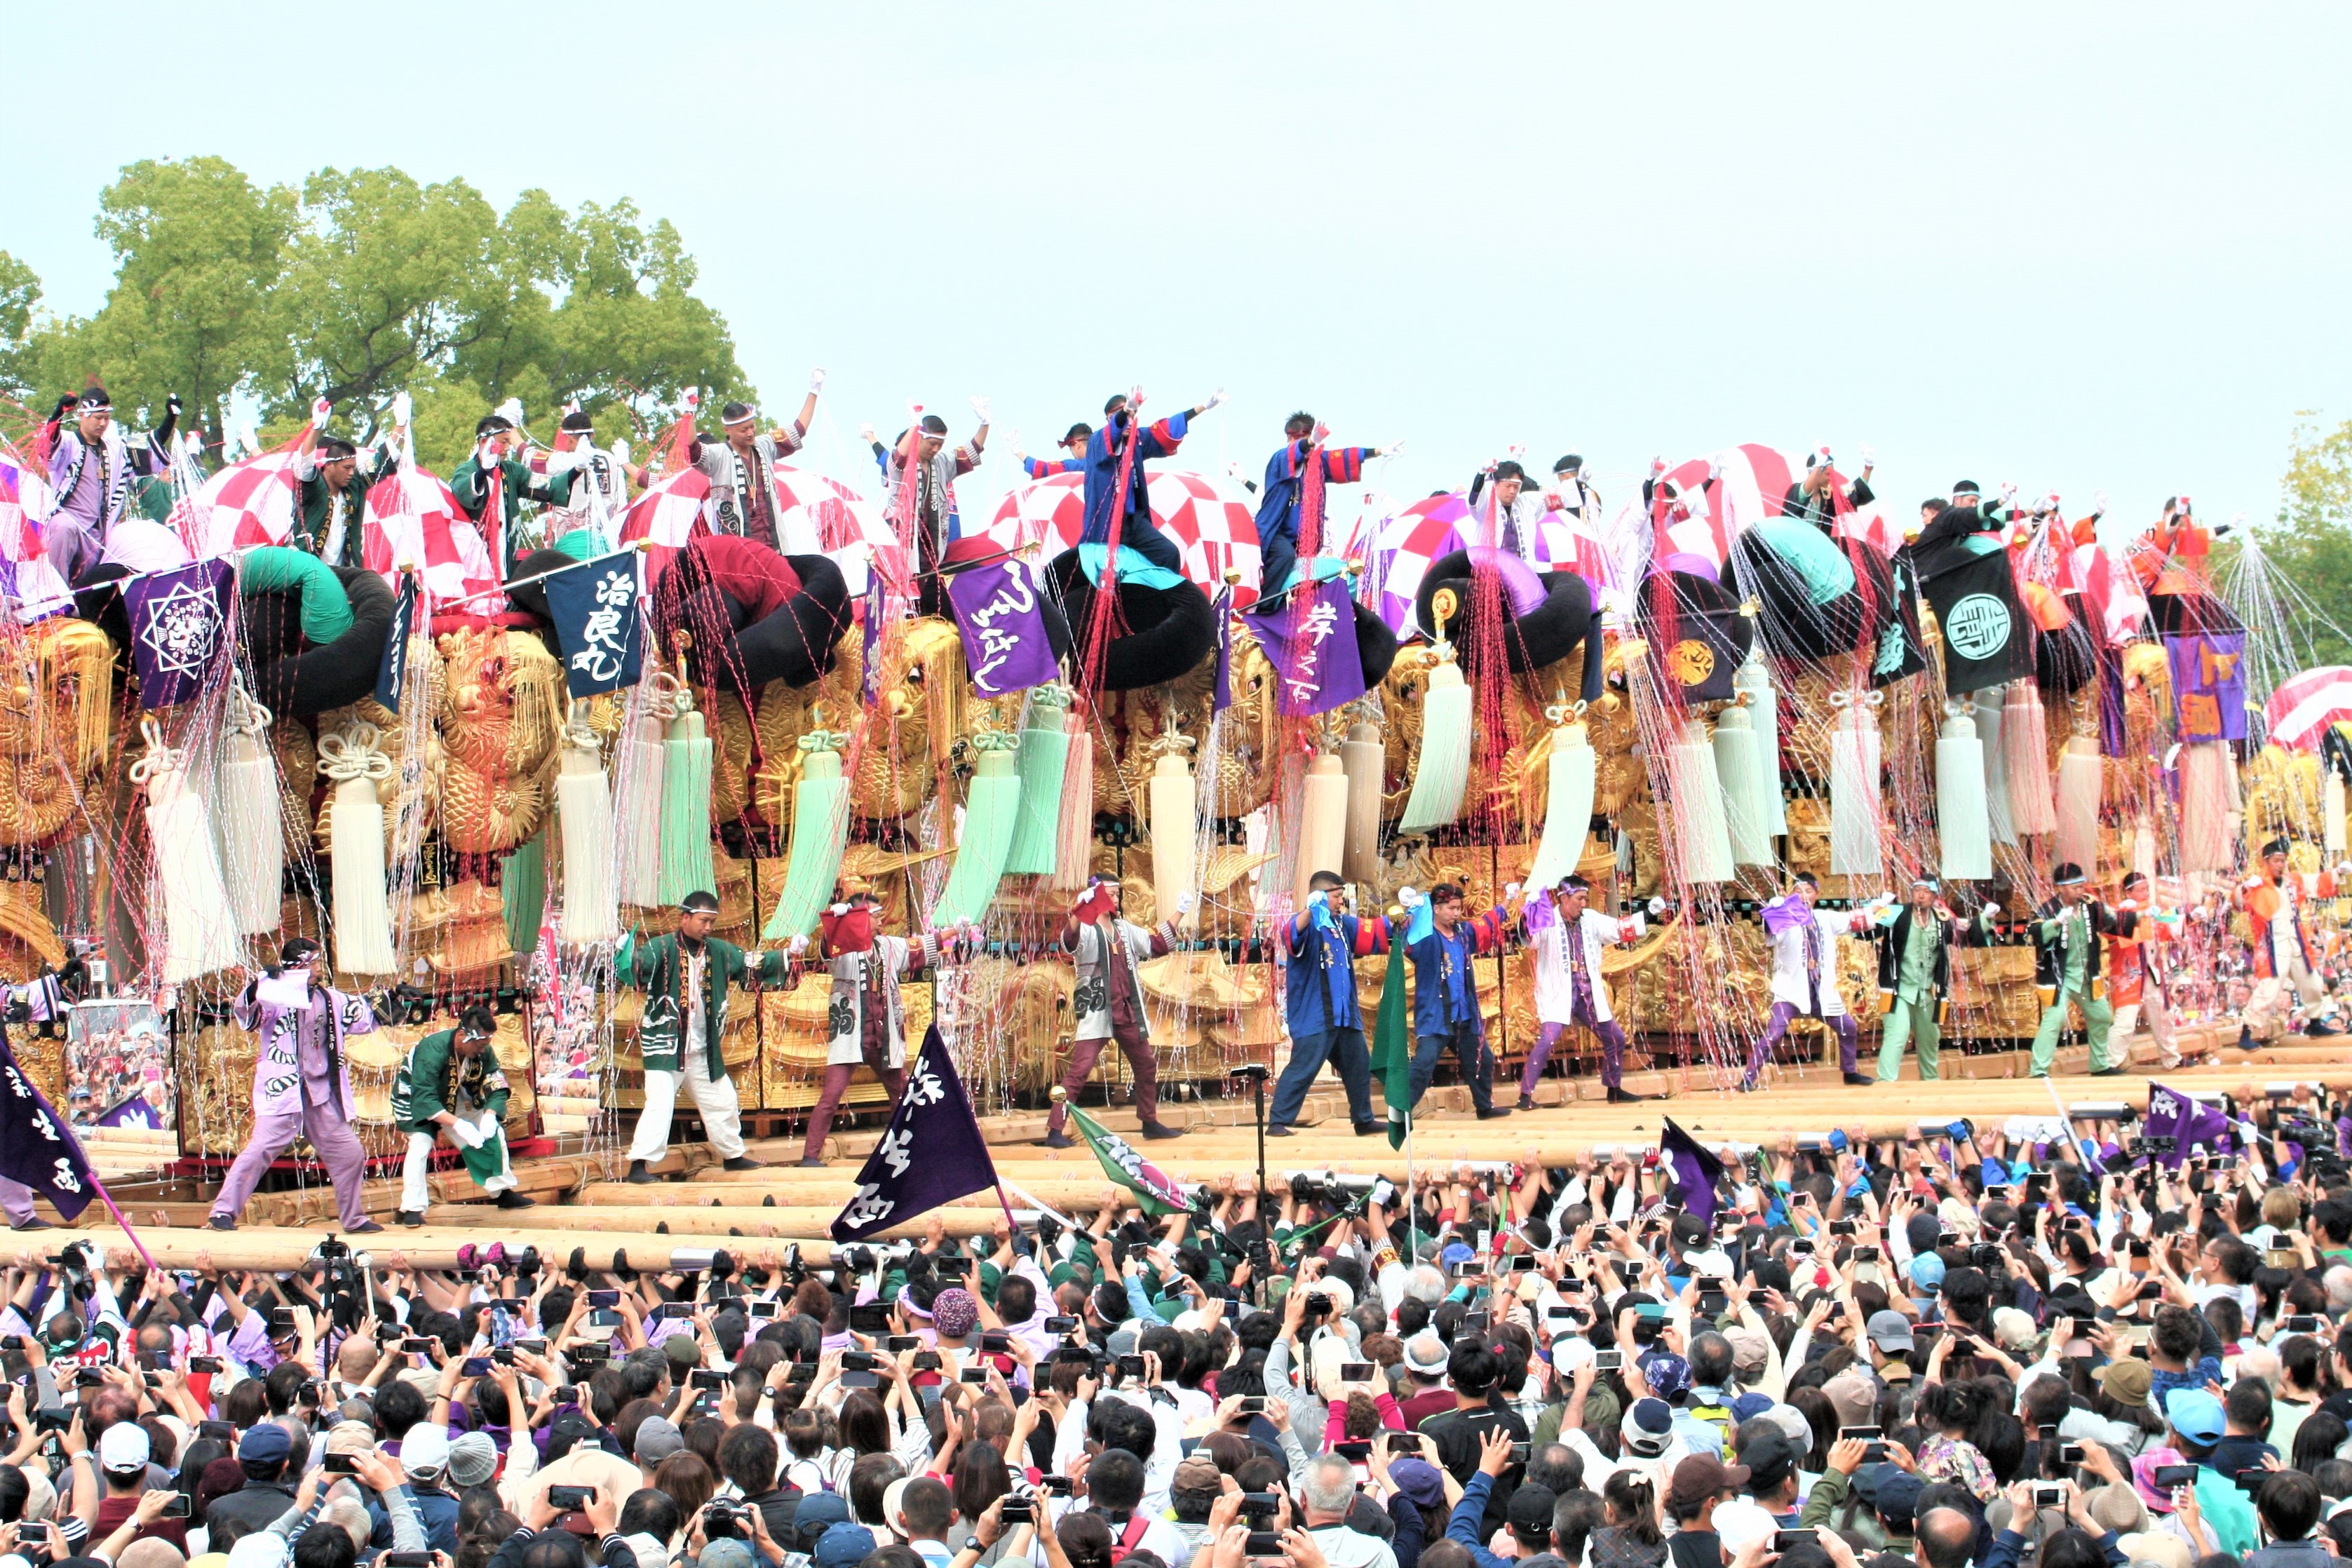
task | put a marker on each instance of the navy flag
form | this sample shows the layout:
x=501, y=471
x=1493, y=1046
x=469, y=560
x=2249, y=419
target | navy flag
x=391, y=675
x=1986, y=640
x=38, y=1150
x=935, y=1118
x=599, y=622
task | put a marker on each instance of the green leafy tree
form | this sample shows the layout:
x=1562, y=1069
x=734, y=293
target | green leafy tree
x=2311, y=544
x=20, y=291
x=196, y=247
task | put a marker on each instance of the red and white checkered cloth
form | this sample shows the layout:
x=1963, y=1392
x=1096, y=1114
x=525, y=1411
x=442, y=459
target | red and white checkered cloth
x=847, y=527
x=665, y=514
x=248, y=503
x=1210, y=522
x=413, y=519
x=2300, y=710
x=1402, y=553
x=1747, y=489
x=23, y=501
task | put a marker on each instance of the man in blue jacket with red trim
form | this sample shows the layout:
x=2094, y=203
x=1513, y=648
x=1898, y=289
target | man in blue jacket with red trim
x=1445, y=997
x=1320, y=946
x=1074, y=441
x=1106, y=452
x=1293, y=497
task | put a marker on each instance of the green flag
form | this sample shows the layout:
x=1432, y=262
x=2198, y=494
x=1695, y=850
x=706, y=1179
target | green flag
x=1392, y=1046
x=1154, y=1190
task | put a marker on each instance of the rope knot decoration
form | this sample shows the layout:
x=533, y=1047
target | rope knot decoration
x=247, y=716
x=1561, y=710
x=824, y=740
x=1053, y=695
x=351, y=754
x=578, y=734
x=1171, y=739
x=995, y=740
x=669, y=698
x=160, y=759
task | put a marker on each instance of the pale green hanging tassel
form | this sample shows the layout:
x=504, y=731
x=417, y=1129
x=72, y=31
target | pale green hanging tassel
x=523, y=890
x=1445, y=766
x=1045, y=758
x=1569, y=777
x=685, y=806
x=992, y=810
x=820, y=837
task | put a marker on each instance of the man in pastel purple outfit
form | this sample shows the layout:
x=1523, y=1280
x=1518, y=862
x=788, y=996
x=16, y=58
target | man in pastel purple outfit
x=94, y=472
x=301, y=1088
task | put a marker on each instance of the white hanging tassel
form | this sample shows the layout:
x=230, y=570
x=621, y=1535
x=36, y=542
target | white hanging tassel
x=1735, y=765
x=349, y=758
x=1855, y=787
x=1998, y=823
x=253, y=836
x=687, y=761
x=637, y=799
x=1705, y=840
x=200, y=934
x=1171, y=798
x=1571, y=772
x=1365, y=762
x=1753, y=680
x=1322, y=822
x=1962, y=821
x=2207, y=796
x=2143, y=850
x=2026, y=741
x=2079, y=773
x=1443, y=770
x=2331, y=807
x=583, y=809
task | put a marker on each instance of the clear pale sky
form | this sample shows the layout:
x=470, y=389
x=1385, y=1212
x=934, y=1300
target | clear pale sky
x=2081, y=246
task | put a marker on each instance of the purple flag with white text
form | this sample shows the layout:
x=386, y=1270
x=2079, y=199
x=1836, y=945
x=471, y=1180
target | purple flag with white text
x=177, y=618
x=1004, y=641
x=38, y=1150
x=2190, y=1123
x=1693, y=1171
x=1312, y=647
x=935, y=1118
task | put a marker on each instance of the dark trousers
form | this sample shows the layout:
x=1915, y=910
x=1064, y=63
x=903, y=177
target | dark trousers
x=1142, y=535
x=1140, y=1061
x=1477, y=1063
x=837, y=1084
x=1344, y=1049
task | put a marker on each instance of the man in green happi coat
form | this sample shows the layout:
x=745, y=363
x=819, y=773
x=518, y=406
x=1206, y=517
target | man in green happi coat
x=493, y=483
x=685, y=975
x=452, y=1083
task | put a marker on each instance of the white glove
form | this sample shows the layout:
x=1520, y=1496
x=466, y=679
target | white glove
x=1213, y=400
x=816, y=381
x=1392, y=448
x=980, y=406
x=1410, y=898
x=1184, y=902
x=1515, y=451
x=404, y=408
x=1234, y=472
x=1714, y=472
x=1869, y=458
x=2008, y=489
x=797, y=946
x=512, y=412
x=2050, y=503
x=691, y=400
x=319, y=409
x=465, y=1132
x=1657, y=908
x=866, y=433
x=1991, y=910
x=621, y=451
x=1510, y=890
x=838, y=910
x=2099, y=503
x=1657, y=468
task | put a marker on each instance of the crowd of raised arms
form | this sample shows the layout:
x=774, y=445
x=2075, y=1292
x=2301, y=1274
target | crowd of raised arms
x=1961, y=1346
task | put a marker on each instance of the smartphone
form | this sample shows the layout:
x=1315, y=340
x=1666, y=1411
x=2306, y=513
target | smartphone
x=1874, y=1448
x=2169, y=1476
x=1251, y=1405
x=976, y=1375
x=197, y=1364
x=1061, y=1325
x=766, y=1309
x=1519, y=1452
x=995, y=1341
x=1524, y=1262
x=1061, y=1486
x=870, y=1318
x=1801, y=1247
x=408, y=1559
x=1130, y=1367
x=1865, y=1255
x=2300, y=1323
x=1357, y=1371
x=927, y=1361
x=340, y=1465
x=1841, y=1227
x=706, y=1377
x=1608, y=1360
x=1018, y=1510
x=476, y=1366
x=534, y=1347
x=566, y=1499
x=176, y=1507
x=1474, y=1322
x=1787, y=1541
x=1354, y=1452
x=857, y=1360
x=1262, y=1543
x=413, y=1345
x=607, y=1300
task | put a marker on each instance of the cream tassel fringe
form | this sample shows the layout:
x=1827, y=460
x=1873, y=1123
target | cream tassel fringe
x=584, y=807
x=2079, y=773
x=1174, y=873
x=820, y=837
x=991, y=814
x=1322, y=823
x=637, y=769
x=1854, y=788
x=1735, y=765
x=1365, y=761
x=200, y=932
x=1753, y=680
x=1705, y=840
x=686, y=804
x=350, y=757
x=2026, y=743
x=1044, y=762
x=1571, y=773
x=1962, y=823
x=1443, y=770
x=1073, y=851
x=253, y=829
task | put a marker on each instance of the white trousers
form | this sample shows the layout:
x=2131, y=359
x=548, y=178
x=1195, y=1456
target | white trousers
x=415, y=1196
x=722, y=1118
x=2270, y=1007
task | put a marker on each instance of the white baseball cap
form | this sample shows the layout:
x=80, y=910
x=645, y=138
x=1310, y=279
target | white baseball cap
x=123, y=1448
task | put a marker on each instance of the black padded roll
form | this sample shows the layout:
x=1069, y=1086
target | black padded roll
x=332, y=675
x=1551, y=632
x=1169, y=631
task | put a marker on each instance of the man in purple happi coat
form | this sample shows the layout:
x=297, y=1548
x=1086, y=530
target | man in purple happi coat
x=94, y=472
x=301, y=1088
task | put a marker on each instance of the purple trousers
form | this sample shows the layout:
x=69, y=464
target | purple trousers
x=1141, y=1061
x=15, y=1201
x=1612, y=1051
x=337, y=1146
x=1849, y=1036
x=828, y=1101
